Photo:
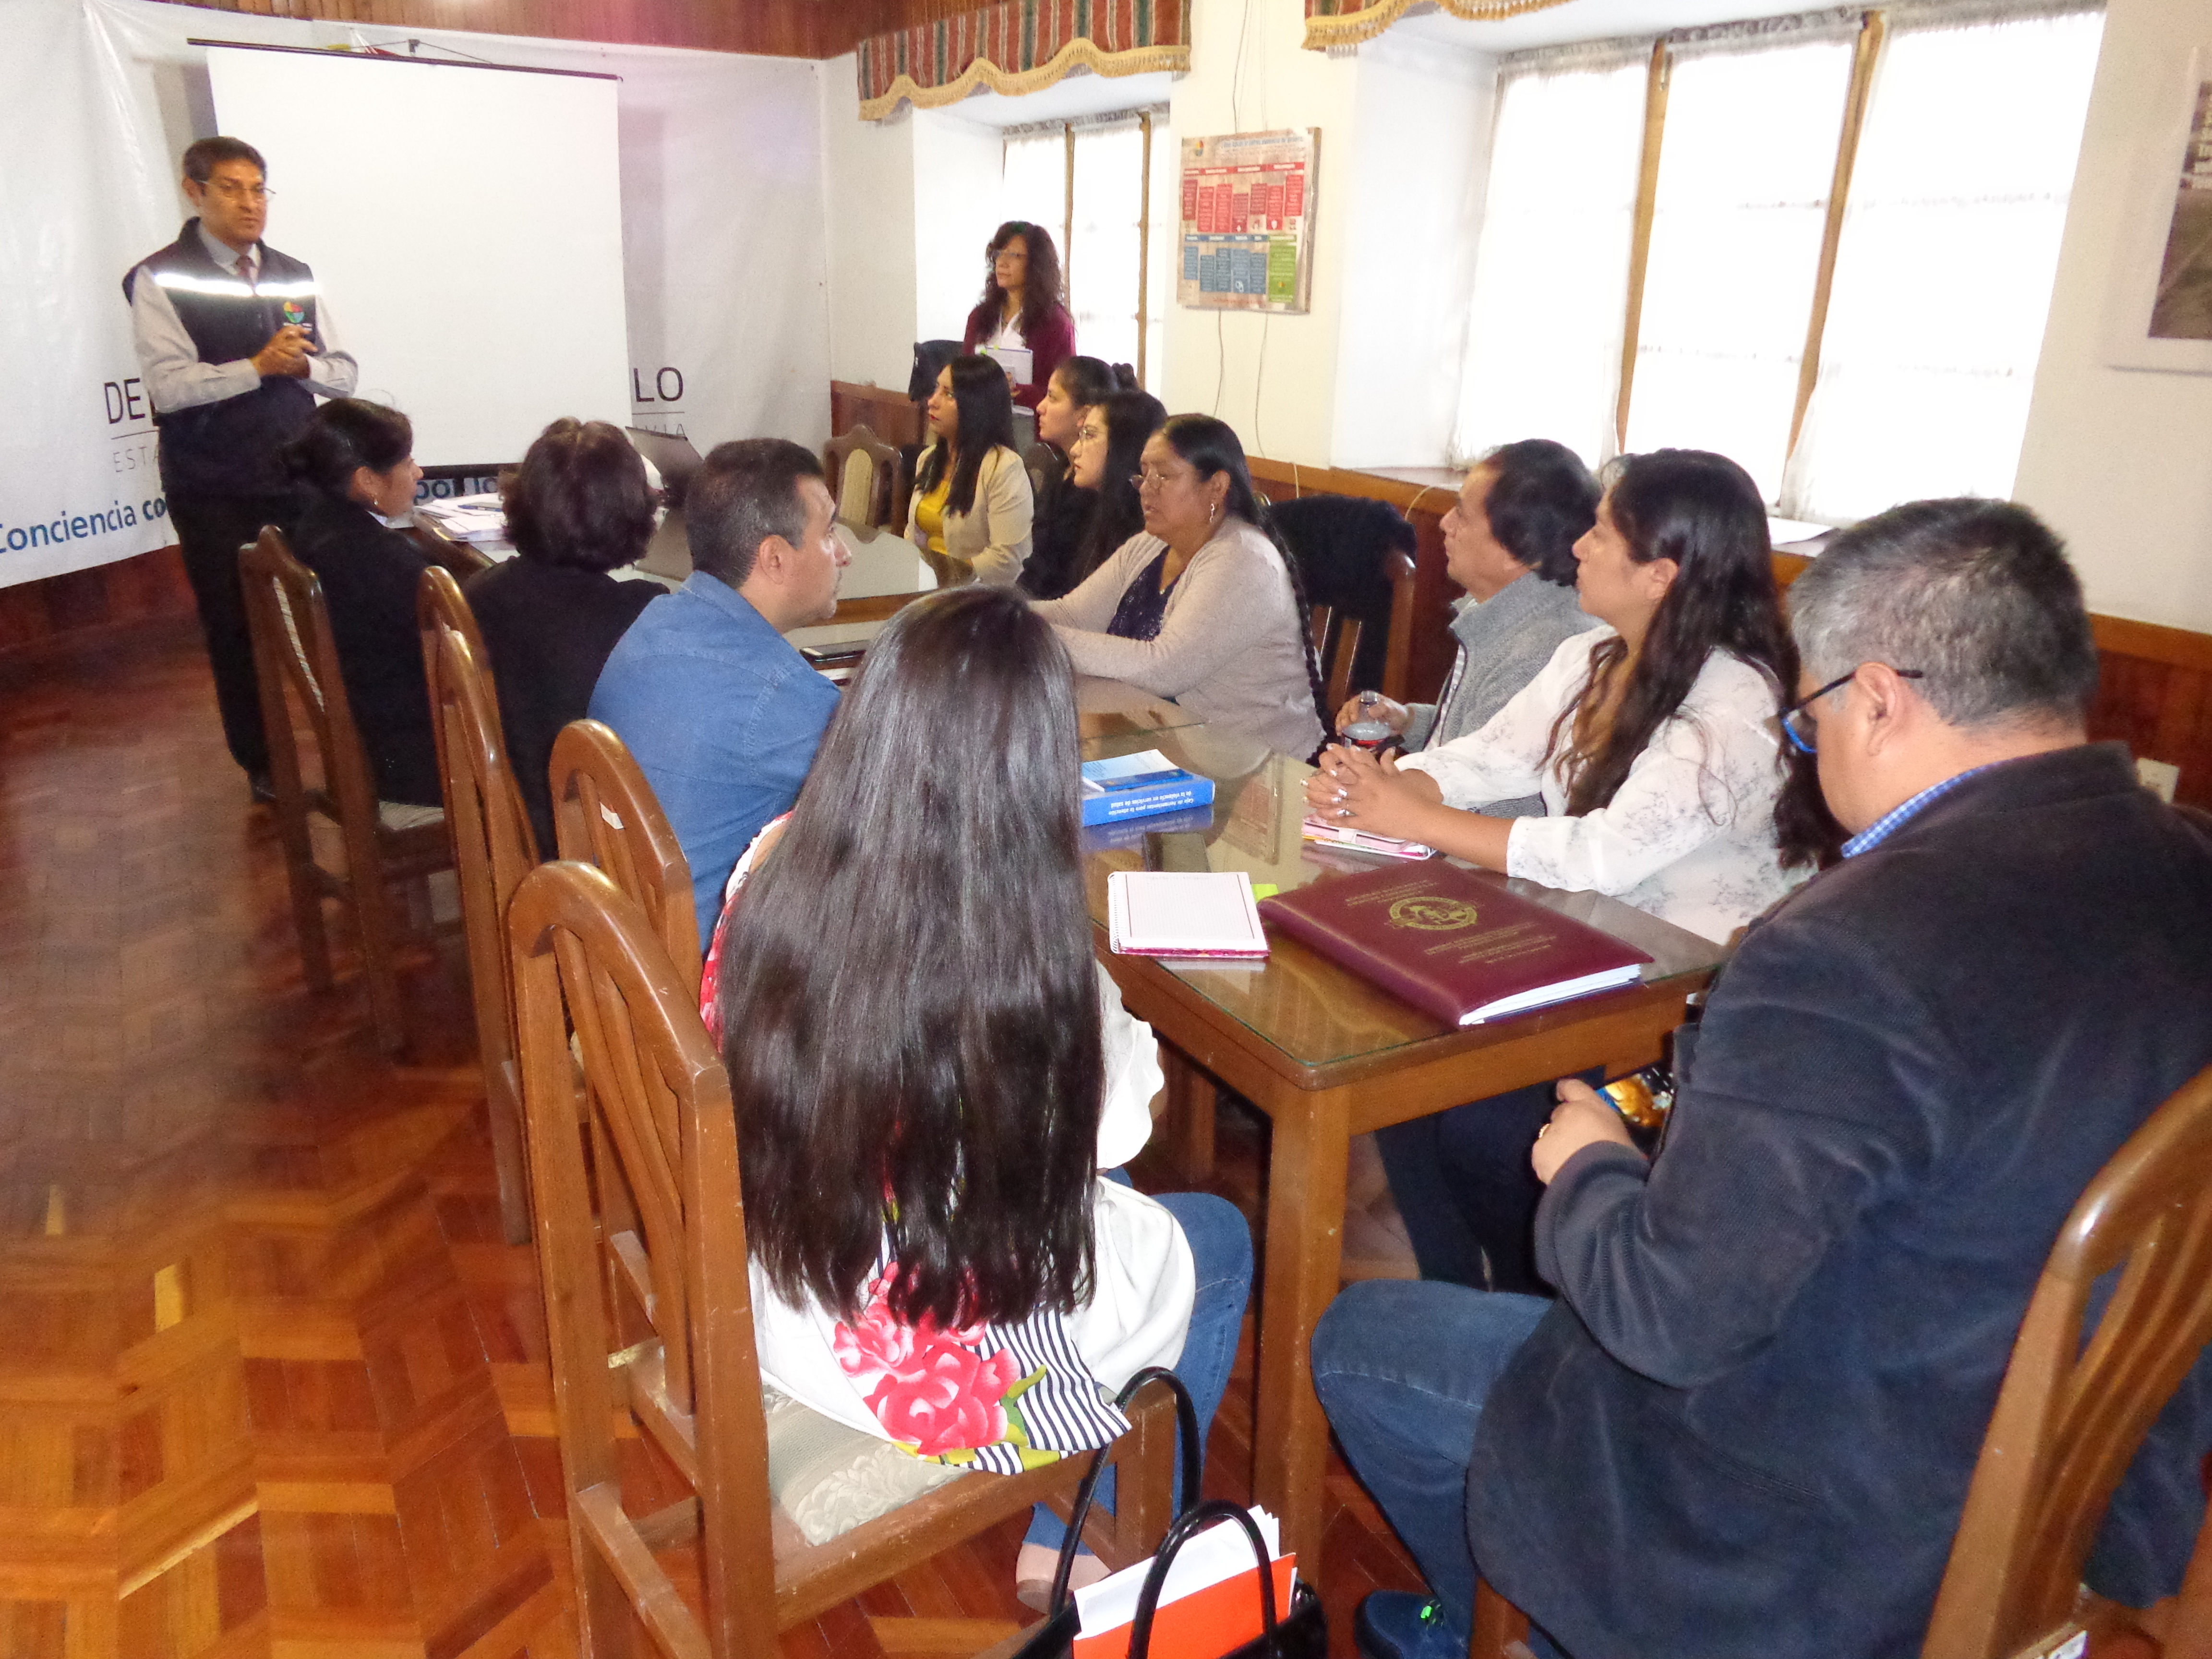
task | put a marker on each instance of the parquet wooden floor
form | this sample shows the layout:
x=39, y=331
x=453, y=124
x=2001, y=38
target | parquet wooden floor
x=270, y=1382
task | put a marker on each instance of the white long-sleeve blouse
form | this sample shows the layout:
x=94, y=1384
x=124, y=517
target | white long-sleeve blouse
x=1688, y=837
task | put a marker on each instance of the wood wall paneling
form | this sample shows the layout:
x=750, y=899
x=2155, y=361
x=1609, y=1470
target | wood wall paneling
x=884, y=410
x=2154, y=694
x=780, y=28
x=140, y=589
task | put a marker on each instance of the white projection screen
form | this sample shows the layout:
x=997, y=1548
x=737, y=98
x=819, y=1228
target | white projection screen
x=465, y=223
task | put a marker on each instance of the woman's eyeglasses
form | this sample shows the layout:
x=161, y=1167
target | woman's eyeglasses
x=1148, y=479
x=1799, y=730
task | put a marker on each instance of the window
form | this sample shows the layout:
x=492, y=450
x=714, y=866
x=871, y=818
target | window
x=1943, y=274
x=1088, y=182
x=1738, y=215
x=1831, y=259
x=1551, y=276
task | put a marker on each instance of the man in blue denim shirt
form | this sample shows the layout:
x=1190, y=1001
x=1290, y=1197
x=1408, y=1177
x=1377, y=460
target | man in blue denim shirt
x=721, y=711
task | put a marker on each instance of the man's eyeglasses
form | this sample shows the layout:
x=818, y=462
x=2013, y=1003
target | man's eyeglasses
x=231, y=192
x=1799, y=730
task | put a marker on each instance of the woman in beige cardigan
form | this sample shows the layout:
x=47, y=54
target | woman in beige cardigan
x=971, y=493
x=1202, y=606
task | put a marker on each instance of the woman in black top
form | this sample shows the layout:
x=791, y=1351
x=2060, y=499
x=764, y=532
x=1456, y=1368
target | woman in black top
x=1063, y=506
x=1109, y=450
x=577, y=509
x=355, y=461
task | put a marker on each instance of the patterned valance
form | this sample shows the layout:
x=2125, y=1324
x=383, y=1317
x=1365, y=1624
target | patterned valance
x=1347, y=22
x=1017, y=46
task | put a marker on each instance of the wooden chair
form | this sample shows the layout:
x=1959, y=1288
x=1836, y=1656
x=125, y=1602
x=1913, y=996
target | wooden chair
x=295, y=653
x=1335, y=647
x=1398, y=651
x=863, y=476
x=694, y=1384
x=605, y=814
x=2070, y=1415
x=493, y=850
x=439, y=601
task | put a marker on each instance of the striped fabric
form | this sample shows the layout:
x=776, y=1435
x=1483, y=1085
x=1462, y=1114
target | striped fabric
x=1003, y=1398
x=1347, y=22
x=1018, y=47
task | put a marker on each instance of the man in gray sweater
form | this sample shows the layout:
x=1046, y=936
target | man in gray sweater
x=1509, y=543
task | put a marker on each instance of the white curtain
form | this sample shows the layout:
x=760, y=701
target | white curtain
x=1943, y=276
x=1103, y=255
x=1745, y=170
x=1551, y=283
x=1165, y=187
x=1035, y=187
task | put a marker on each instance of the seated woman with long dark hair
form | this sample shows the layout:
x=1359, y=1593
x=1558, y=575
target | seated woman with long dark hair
x=355, y=463
x=972, y=504
x=1203, y=605
x=930, y=1071
x=1063, y=504
x=578, y=509
x=1109, y=448
x=1653, y=739
x=1022, y=305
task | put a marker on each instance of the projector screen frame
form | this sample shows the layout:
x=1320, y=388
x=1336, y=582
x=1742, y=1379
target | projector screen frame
x=378, y=55
x=477, y=394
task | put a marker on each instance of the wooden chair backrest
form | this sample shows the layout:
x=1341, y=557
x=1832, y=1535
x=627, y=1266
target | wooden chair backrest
x=660, y=1099
x=1398, y=652
x=1335, y=646
x=439, y=600
x=2071, y=1416
x=294, y=649
x=494, y=848
x=863, y=476
x=605, y=813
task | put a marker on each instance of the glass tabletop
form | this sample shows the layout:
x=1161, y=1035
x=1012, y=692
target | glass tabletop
x=1316, y=1011
x=1108, y=709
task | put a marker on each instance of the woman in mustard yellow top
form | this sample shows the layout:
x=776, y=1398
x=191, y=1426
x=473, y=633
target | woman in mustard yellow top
x=971, y=502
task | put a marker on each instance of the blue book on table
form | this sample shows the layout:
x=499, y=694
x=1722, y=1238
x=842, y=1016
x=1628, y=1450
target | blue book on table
x=1137, y=786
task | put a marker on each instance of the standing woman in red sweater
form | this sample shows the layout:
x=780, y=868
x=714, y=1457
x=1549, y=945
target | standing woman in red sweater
x=1022, y=305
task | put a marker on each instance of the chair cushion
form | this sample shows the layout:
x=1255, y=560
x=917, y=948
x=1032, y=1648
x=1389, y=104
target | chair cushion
x=399, y=815
x=829, y=1478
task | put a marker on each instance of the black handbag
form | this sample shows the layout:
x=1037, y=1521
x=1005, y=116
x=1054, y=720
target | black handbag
x=1055, y=1638
x=1303, y=1635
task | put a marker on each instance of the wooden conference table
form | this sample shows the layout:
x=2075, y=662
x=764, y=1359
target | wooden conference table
x=1327, y=1055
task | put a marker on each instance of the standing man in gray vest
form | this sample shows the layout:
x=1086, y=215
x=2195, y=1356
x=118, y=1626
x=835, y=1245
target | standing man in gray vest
x=235, y=346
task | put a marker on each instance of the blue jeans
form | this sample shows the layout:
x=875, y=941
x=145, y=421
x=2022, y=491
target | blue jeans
x=1221, y=1248
x=1402, y=1368
x=1465, y=1191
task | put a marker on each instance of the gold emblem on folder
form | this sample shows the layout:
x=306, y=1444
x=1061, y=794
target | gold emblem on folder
x=1430, y=914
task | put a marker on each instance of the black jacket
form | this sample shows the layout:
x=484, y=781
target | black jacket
x=370, y=574
x=548, y=629
x=1747, y=1427
x=1057, y=529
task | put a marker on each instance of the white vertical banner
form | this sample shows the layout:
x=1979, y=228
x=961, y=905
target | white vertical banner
x=77, y=483
x=723, y=233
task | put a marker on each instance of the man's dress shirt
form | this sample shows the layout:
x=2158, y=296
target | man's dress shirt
x=170, y=363
x=723, y=716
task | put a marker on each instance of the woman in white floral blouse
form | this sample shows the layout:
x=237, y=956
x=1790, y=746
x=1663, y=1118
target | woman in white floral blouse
x=1653, y=740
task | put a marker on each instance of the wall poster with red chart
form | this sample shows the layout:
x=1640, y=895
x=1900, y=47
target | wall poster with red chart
x=1247, y=232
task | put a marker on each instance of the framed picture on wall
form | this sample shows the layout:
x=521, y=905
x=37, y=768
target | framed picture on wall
x=1246, y=230
x=2161, y=306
